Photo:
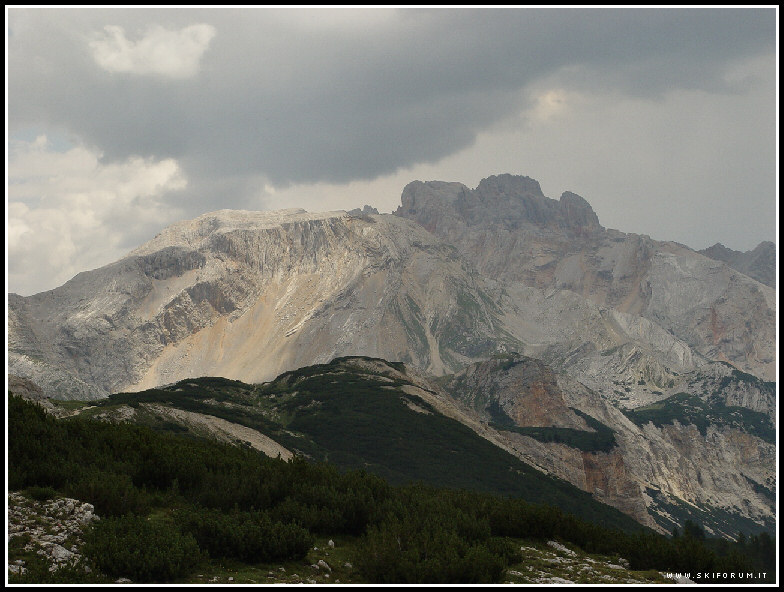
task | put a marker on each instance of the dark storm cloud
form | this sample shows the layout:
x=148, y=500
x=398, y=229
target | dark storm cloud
x=290, y=103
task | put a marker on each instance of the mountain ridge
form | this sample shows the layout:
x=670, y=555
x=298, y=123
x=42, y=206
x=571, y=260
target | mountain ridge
x=455, y=278
x=759, y=263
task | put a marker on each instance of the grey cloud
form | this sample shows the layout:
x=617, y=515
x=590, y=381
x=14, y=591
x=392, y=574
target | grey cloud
x=307, y=105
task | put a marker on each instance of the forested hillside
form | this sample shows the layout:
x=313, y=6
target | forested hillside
x=171, y=504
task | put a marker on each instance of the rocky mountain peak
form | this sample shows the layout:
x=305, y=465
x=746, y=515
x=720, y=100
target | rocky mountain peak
x=759, y=263
x=511, y=185
x=511, y=201
x=433, y=204
x=577, y=212
x=450, y=284
x=718, y=251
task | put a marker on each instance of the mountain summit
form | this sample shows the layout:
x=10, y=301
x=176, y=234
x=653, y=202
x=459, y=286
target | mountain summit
x=512, y=233
x=512, y=202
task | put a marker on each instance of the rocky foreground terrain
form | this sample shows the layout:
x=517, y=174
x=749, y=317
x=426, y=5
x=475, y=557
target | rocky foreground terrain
x=53, y=529
x=49, y=528
x=615, y=323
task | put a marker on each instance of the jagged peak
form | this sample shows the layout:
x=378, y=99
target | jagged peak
x=577, y=211
x=720, y=249
x=764, y=246
x=446, y=191
x=505, y=198
x=516, y=185
x=717, y=250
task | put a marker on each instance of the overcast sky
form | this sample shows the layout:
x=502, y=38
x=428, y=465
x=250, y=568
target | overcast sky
x=121, y=121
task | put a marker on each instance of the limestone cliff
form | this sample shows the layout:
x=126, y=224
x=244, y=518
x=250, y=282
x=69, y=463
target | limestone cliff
x=248, y=295
x=723, y=478
x=511, y=232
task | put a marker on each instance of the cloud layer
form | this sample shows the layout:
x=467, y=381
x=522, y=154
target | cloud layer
x=68, y=212
x=341, y=101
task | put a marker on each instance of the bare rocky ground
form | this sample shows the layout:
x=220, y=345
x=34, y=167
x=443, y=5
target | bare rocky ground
x=50, y=528
x=554, y=563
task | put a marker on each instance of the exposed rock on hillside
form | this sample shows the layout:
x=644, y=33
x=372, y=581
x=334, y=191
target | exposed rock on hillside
x=518, y=390
x=722, y=383
x=200, y=424
x=683, y=465
x=251, y=294
x=27, y=389
x=511, y=232
x=759, y=263
x=52, y=529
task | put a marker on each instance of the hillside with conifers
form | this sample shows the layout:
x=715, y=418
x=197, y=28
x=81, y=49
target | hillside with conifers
x=173, y=508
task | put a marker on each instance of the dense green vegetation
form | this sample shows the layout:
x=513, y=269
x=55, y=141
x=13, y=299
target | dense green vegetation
x=141, y=549
x=602, y=439
x=366, y=421
x=169, y=503
x=691, y=409
x=358, y=423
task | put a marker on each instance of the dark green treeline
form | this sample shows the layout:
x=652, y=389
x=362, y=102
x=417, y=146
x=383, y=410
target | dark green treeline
x=168, y=503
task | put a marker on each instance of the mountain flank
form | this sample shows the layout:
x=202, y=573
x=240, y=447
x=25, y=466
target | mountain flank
x=759, y=263
x=637, y=370
x=172, y=506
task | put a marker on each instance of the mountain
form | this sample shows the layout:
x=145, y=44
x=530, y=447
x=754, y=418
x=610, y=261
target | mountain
x=357, y=413
x=248, y=295
x=664, y=353
x=149, y=506
x=759, y=263
x=514, y=234
x=660, y=463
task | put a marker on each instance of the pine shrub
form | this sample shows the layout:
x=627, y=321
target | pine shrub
x=141, y=549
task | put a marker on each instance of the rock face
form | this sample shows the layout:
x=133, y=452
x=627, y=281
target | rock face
x=515, y=389
x=513, y=233
x=25, y=388
x=678, y=462
x=602, y=323
x=760, y=263
x=249, y=295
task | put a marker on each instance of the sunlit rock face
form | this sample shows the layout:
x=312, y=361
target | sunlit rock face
x=248, y=295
